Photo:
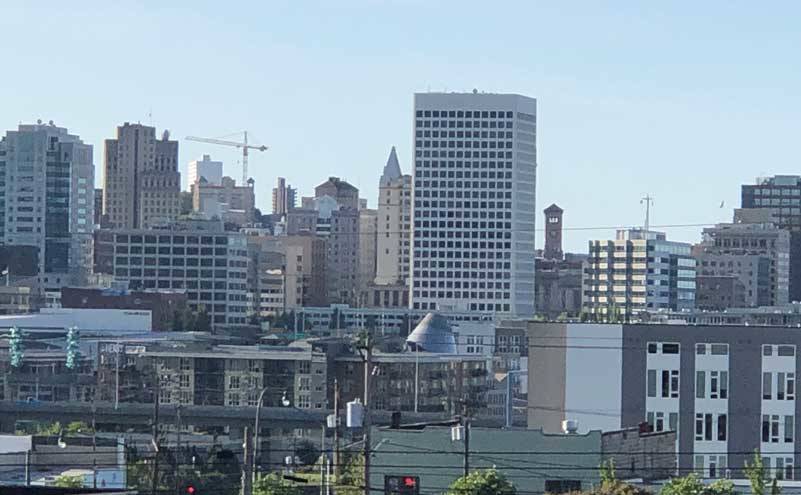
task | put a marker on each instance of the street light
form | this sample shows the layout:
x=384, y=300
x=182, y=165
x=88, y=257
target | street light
x=284, y=402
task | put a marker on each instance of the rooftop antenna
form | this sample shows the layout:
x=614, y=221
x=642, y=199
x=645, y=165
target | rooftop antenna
x=648, y=200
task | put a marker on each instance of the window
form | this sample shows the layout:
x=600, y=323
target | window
x=186, y=364
x=233, y=382
x=670, y=348
x=304, y=367
x=767, y=394
x=708, y=427
x=305, y=383
x=657, y=421
x=183, y=381
x=651, y=383
x=772, y=427
x=700, y=384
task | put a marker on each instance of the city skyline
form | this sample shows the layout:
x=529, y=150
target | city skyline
x=623, y=94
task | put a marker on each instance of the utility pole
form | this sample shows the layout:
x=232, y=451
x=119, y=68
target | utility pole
x=336, y=430
x=176, y=476
x=368, y=369
x=154, y=482
x=94, y=444
x=247, y=465
x=466, y=426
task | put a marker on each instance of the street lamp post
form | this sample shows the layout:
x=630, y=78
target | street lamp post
x=285, y=403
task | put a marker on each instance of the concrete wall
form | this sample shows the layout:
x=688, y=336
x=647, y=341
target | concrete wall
x=650, y=456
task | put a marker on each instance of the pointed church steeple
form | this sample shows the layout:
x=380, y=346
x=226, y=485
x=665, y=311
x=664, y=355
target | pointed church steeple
x=392, y=169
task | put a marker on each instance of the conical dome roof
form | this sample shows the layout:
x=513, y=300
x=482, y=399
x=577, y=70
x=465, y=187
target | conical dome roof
x=432, y=334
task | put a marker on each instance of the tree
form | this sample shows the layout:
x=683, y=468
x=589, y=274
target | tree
x=482, y=482
x=69, y=481
x=307, y=452
x=16, y=349
x=203, y=323
x=73, y=348
x=757, y=474
x=77, y=427
x=607, y=472
x=186, y=203
x=686, y=485
x=275, y=484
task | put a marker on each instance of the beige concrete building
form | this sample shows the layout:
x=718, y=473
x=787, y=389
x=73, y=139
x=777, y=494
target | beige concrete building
x=142, y=184
x=227, y=201
x=394, y=224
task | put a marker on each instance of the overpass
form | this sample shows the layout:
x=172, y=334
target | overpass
x=133, y=415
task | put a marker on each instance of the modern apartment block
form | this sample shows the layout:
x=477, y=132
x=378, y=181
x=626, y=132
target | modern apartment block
x=142, y=184
x=726, y=390
x=197, y=256
x=226, y=375
x=284, y=197
x=474, y=202
x=47, y=200
x=206, y=168
x=757, y=255
x=444, y=381
x=394, y=224
x=638, y=271
x=781, y=195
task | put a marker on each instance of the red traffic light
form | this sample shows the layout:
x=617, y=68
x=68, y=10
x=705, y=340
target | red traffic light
x=409, y=481
x=190, y=490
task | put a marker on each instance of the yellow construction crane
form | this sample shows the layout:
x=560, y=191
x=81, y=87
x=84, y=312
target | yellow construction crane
x=244, y=145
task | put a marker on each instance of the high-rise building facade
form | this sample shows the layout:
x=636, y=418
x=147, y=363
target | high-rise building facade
x=781, y=195
x=473, y=202
x=637, y=272
x=757, y=255
x=394, y=224
x=368, y=224
x=284, y=197
x=198, y=257
x=47, y=200
x=142, y=183
x=206, y=168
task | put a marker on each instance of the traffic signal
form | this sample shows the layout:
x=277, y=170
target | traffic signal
x=402, y=485
x=190, y=489
x=15, y=348
x=73, y=348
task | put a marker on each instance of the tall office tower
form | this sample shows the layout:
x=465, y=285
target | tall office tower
x=142, y=184
x=368, y=220
x=553, y=233
x=207, y=168
x=781, y=195
x=47, y=200
x=394, y=224
x=475, y=171
x=638, y=271
x=336, y=204
x=284, y=197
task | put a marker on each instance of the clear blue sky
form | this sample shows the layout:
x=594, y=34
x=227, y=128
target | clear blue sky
x=682, y=100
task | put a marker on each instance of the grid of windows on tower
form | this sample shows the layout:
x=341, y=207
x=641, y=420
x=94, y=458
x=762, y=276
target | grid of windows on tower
x=463, y=204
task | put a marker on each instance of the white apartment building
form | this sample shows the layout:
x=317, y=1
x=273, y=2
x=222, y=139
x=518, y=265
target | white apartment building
x=47, y=200
x=474, y=202
x=209, y=169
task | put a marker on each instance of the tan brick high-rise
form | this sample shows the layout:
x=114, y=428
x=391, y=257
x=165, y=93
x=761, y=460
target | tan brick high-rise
x=142, y=184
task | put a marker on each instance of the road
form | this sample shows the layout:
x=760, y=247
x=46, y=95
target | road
x=138, y=414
